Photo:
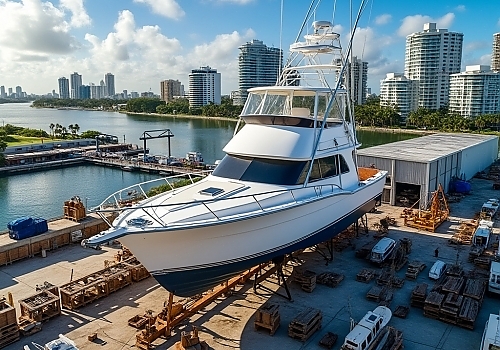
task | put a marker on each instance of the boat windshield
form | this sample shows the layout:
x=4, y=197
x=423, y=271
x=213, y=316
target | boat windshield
x=294, y=103
x=270, y=171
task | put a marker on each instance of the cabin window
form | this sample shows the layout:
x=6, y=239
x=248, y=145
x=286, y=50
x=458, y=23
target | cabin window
x=276, y=105
x=493, y=278
x=369, y=338
x=344, y=168
x=324, y=168
x=253, y=104
x=271, y=171
x=363, y=345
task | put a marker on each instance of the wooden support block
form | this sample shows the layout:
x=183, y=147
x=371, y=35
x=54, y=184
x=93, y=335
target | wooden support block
x=328, y=340
x=268, y=317
x=305, y=324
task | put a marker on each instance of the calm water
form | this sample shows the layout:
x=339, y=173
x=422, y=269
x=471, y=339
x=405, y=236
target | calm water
x=43, y=193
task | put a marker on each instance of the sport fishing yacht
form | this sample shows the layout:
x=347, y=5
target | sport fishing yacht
x=289, y=180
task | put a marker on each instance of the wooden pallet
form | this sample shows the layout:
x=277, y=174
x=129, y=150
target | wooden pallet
x=305, y=324
x=418, y=295
x=306, y=279
x=453, y=284
x=376, y=293
x=268, y=317
x=328, y=340
x=475, y=289
x=330, y=279
x=365, y=275
x=9, y=334
x=401, y=311
x=468, y=313
x=414, y=268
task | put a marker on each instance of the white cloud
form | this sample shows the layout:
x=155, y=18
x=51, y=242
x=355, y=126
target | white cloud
x=413, y=24
x=460, y=8
x=165, y=8
x=476, y=46
x=146, y=41
x=79, y=16
x=383, y=19
x=31, y=28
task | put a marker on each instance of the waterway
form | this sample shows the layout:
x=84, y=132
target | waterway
x=42, y=194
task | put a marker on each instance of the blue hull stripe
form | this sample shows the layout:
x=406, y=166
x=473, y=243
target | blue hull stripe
x=193, y=281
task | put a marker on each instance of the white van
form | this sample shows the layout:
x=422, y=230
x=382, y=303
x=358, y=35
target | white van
x=382, y=250
x=437, y=270
x=494, y=281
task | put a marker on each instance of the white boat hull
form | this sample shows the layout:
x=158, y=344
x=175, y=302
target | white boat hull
x=192, y=260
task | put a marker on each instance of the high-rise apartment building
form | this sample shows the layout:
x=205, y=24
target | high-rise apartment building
x=204, y=87
x=63, y=87
x=10, y=92
x=258, y=65
x=19, y=92
x=75, y=84
x=475, y=91
x=109, y=80
x=170, y=88
x=359, y=77
x=397, y=90
x=430, y=57
x=95, y=91
x=2, y=92
x=495, y=56
x=84, y=92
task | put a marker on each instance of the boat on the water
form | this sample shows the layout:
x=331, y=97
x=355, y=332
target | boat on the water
x=368, y=331
x=289, y=180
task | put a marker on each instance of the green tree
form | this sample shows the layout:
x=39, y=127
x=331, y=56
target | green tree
x=90, y=134
x=3, y=145
x=143, y=105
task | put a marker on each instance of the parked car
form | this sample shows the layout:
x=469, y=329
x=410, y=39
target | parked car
x=437, y=270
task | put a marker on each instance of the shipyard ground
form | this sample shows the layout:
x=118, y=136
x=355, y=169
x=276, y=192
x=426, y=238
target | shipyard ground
x=229, y=323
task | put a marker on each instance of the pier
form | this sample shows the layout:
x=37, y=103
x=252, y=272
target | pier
x=126, y=165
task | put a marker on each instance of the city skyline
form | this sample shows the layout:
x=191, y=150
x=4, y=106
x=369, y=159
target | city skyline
x=146, y=41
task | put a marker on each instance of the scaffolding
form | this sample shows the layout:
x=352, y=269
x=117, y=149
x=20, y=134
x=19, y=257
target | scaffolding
x=429, y=219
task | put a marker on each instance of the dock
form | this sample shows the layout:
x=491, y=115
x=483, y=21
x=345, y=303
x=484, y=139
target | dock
x=61, y=232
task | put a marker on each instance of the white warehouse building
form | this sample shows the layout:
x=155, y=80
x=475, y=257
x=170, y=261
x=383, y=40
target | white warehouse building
x=417, y=167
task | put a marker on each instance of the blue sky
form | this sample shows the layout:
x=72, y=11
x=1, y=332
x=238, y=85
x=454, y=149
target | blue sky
x=145, y=41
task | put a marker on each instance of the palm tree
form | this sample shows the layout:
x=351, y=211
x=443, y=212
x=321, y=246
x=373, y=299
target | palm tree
x=77, y=129
x=64, y=132
x=51, y=127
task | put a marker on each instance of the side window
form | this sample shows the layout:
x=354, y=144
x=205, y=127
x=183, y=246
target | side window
x=369, y=338
x=316, y=171
x=344, y=168
x=328, y=167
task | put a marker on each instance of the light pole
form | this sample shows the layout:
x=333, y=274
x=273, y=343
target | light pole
x=86, y=202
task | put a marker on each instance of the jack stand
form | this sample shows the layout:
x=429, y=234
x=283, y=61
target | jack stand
x=362, y=223
x=278, y=268
x=329, y=255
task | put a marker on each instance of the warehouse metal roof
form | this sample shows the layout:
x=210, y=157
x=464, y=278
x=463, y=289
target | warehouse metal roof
x=426, y=148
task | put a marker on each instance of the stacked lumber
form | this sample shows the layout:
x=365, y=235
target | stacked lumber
x=306, y=279
x=432, y=305
x=9, y=331
x=305, y=324
x=456, y=300
x=365, y=275
x=464, y=233
x=267, y=317
x=455, y=270
x=330, y=279
x=414, y=268
x=418, y=295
